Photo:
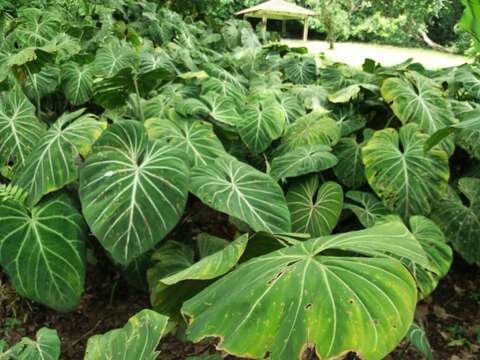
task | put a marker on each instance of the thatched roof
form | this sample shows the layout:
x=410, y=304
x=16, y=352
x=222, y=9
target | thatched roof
x=277, y=9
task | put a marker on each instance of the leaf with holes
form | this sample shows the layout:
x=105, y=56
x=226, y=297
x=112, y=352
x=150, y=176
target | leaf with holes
x=241, y=191
x=52, y=163
x=315, y=209
x=19, y=128
x=138, y=339
x=196, y=138
x=459, y=220
x=406, y=178
x=370, y=301
x=42, y=249
x=304, y=160
x=133, y=190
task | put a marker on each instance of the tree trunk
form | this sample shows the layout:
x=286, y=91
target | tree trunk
x=432, y=43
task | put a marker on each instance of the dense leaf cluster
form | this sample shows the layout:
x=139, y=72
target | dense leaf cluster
x=344, y=185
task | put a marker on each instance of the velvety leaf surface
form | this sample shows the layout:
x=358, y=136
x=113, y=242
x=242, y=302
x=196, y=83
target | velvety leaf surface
x=241, y=191
x=42, y=249
x=461, y=221
x=406, y=178
x=133, y=190
x=315, y=209
x=417, y=99
x=303, y=160
x=260, y=123
x=196, y=138
x=52, y=163
x=19, y=128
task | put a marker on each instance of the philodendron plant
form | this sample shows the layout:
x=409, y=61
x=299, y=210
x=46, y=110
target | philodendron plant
x=336, y=183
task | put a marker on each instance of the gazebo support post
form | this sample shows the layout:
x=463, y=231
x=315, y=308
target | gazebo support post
x=305, y=29
x=284, y=27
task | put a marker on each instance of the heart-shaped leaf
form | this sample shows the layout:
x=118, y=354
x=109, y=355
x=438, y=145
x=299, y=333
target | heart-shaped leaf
x=42, y=249
x=260, y=123
x=77, y=82
x=133, y=191
x=241, y=191
x=315, y=209
x=196, y=138
x=52, y=162
x=405, y=177
x=418, y=99
x=303, y=160
x=19, y=128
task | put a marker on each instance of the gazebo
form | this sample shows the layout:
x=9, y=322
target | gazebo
x=279, y=10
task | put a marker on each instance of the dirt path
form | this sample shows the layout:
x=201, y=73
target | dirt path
x=354, y=54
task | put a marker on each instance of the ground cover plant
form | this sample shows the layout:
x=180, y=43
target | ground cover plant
x=345, y=189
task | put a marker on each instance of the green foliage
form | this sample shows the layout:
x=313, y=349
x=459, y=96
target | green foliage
x=138, y=339
x=46, y=346
x=175, y=114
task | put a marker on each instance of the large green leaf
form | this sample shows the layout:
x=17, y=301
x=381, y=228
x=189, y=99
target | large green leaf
x=222, y=109
x=439, y=254
x=261, y=122
x=77, y=82
x=243, y=192
x=300, y=69
x=196, y=138
x=461, y=221
x=42, y=249
x=42, y=83
x=276, y=304
x=468, y=132
x=52, y=163
x=303, y=160
x=315, y=128
x=315, y=209
x=19, y=128
x=45, y=347
x=470, y=21
x=291, y=106
x=113, y=57
x=366, y=207
x=213, y=265
x=349, y=170
x=133, y=191
x=176, y=276
x=418, y=99
x=405, y=177
x=138, y=339
x=469, y=77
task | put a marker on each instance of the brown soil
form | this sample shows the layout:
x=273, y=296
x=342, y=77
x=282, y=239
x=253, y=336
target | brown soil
x=451, y=316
